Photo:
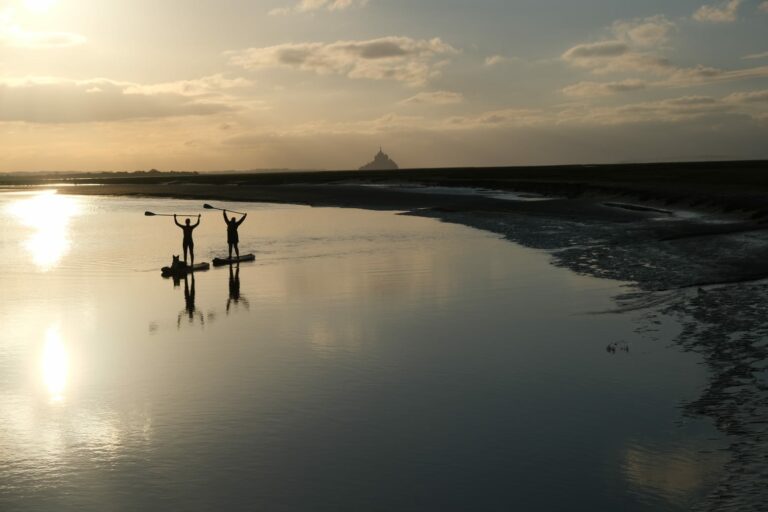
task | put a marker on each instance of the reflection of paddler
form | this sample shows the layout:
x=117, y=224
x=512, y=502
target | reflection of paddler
x=234, y=288
x=189, y=301
x=234, y=284
x=189, y=296
x=187, y=243
x=232, y=237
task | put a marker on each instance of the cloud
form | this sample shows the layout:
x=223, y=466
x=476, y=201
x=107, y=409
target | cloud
x=315, y=5
x=644, y=32
x=627, y=55
x=388, y=58
x=613, y=56
x=205, y=86
x=673, y=110
x=748, y=97
x=498, y=60
x=683, y=109
x=501, y=118
x=701, y=75
x=762, y=55
x=723, y=12
x=16, y=37
x=57, y=100
x=599, y=50
x=434, y=98
x=674, y=78
x=591, y=89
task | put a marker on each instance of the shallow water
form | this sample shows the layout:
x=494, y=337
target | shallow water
x=507, y=195
x=365, y=361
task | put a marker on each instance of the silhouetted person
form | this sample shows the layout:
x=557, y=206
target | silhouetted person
x=187, y=243
x=232, y=238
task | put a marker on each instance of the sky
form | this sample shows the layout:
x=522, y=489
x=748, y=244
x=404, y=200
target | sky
x=89, y=85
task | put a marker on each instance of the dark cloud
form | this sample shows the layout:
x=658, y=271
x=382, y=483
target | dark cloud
x=388, y=58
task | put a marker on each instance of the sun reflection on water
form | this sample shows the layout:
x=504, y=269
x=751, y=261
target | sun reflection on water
x=54, y=364
x=49, y=215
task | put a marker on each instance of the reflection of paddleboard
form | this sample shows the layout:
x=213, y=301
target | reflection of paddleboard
x=183, y=269
x=219, y=262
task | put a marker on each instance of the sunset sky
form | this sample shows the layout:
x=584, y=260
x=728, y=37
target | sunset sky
x=236, y=84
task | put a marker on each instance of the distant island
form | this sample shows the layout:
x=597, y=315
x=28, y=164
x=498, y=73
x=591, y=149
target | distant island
x=381, y=162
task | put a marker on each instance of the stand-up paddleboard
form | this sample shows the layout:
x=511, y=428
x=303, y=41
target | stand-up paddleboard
x=182, y=269
x=220, y=262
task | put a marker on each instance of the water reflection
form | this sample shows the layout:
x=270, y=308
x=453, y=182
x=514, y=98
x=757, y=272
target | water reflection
x=674, y=474
x=234, y=289
x=49, y=215
x=54, y=364
x=189, y=303
x=397, y=331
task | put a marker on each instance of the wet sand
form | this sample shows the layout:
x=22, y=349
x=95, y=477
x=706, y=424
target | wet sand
x=692, y=238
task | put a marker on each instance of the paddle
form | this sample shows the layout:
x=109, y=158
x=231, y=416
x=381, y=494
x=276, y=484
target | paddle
x=153, y=214
x=209, y=207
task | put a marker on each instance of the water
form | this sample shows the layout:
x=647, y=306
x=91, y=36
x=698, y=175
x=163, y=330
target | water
x=365, y=361
x=507, y=195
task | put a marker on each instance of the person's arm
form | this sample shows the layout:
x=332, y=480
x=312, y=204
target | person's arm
x=224, y=213
x=242, y=219
x=198, y=221
x=176, y=221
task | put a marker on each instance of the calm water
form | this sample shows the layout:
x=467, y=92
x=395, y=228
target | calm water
x=366, y=361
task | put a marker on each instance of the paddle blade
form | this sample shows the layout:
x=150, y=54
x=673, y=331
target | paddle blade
x=208, y=207
x=149, y=214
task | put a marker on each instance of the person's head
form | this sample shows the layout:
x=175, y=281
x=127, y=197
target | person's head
x=232, y=219
x=187, y=222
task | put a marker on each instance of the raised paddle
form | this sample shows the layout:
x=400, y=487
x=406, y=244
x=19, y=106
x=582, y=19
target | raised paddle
x=209, y=207
x=153, y=214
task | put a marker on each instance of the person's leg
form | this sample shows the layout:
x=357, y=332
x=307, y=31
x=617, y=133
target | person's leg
x=230, y=250
x=184, y=248
x=192, y=254
x=237, y=251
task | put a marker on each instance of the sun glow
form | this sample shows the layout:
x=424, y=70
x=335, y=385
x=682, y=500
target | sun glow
x=49, y=216
x=39, y=6
x=54, y=365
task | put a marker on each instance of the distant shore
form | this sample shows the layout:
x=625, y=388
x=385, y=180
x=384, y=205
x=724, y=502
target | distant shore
x=729, y=185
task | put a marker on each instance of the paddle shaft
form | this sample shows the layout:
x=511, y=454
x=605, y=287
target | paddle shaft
x=151, y=214
x=223, y=210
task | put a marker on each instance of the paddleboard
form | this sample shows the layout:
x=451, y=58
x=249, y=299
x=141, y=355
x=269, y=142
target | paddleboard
x=220, y=262
x=182, y=270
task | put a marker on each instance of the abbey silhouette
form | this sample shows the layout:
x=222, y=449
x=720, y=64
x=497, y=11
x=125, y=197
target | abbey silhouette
x=381, y=162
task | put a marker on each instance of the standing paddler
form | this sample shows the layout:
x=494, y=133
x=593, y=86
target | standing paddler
x=232, y=238
x=187, y=243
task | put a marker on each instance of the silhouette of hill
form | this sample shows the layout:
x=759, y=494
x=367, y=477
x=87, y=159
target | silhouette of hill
x=381, y=162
